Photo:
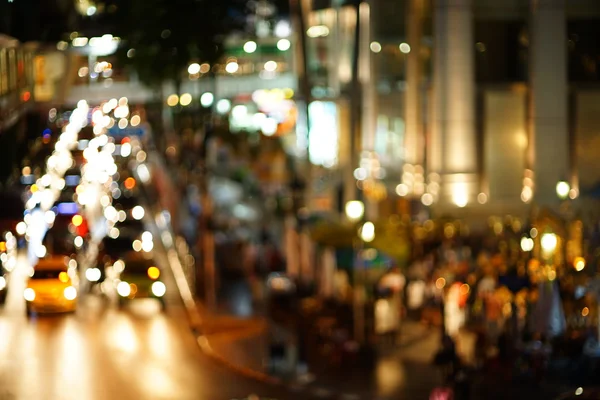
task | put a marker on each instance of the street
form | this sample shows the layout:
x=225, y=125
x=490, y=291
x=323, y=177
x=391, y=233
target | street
x=103, y=353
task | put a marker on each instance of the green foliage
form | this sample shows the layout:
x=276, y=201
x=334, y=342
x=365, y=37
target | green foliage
x=167, y=35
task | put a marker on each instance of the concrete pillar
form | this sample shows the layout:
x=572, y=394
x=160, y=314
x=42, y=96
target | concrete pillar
x=453, y=141
x=548, y=82
x=414, y=70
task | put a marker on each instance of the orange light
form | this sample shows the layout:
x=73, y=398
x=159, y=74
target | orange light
x=153, y=273
x=125, y=140
x=26, y=96
x=129, y=183
x=579, y=263
x=133, y=289
x=63, y=277
x=464, y=289
x=2, y=246
x=77, y=220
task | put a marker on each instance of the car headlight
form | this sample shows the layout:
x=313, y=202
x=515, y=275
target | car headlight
x=2, y=283
x=159, y=289
x=29, y=294
x=123, y=289
x=70, y=293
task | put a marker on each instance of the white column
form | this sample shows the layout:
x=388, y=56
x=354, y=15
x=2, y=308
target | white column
x=414, y=127
x=548, y=82
x=453, y=152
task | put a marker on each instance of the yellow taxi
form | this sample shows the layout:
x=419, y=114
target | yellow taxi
x=51, y=288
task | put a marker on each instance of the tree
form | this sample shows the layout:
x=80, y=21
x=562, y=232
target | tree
x=161, y=37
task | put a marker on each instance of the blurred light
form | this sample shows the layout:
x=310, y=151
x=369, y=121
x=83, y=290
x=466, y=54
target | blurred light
x=137, y=245
x=526, y=244
x=194, y=68
x=143, y=173
x=125, y=150
x=185, y=99
x=573, y=194
x=232, y=67
x=204, y=68
x=282, y=29
x=355, y=210
x=138, y=212
x=123, y=289
x=317, y=31
x=153, y=273
x=464, y=289
x=223, y=106
x=405, y=48
x=130, y=53
x=110, y=213
x=129, y=183
x=427, y=199
x=80, y=42
x=77, y=220
x=140, y=156
x=401, y=189
x=562, y=189
x=123, y=123
x=146, y=236
x=119, y=266
x=122, y=215
x=78, y=242
x=62, y=45
x=40, y=251
x=360, y=174
x=172, y=100
x=207, y=99
x=135, y=120
x=270, y=66
x=250, y=47
x=63, y=277
x=2, y=283
x=579, y=263
x=482, y=198
x=121, y=111
x=375, y=47
x=83, y=71
x=159, y=289
x=29, y=294
x=440, y=283
x=240, y=111
x=21, y=228
x=585, y=311
x=526, y=194
x=284, y=44
x=105, y=201
x=147, y=246
x=460, y=197
x=549, y=242
x=114, y=233
x=269, y=126
x=49, y=217
x=93, y=274
x=91, y=11
x=367, y=232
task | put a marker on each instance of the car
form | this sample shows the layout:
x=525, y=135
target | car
x=140, y=279
x=134, y=230
x=52, y=287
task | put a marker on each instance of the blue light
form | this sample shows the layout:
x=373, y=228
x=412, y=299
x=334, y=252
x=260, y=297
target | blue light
x=72, y=180
x=47, y=132
x=67, y=208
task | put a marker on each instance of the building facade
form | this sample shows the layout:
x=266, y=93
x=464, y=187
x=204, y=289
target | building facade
x=474, y=107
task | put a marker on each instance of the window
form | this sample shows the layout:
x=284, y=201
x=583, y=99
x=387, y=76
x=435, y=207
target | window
x=583, y=50
x=501, y=49
x=3, y=72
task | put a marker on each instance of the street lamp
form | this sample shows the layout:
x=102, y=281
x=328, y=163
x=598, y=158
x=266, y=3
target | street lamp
x=355, y=210
x=562, y=189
